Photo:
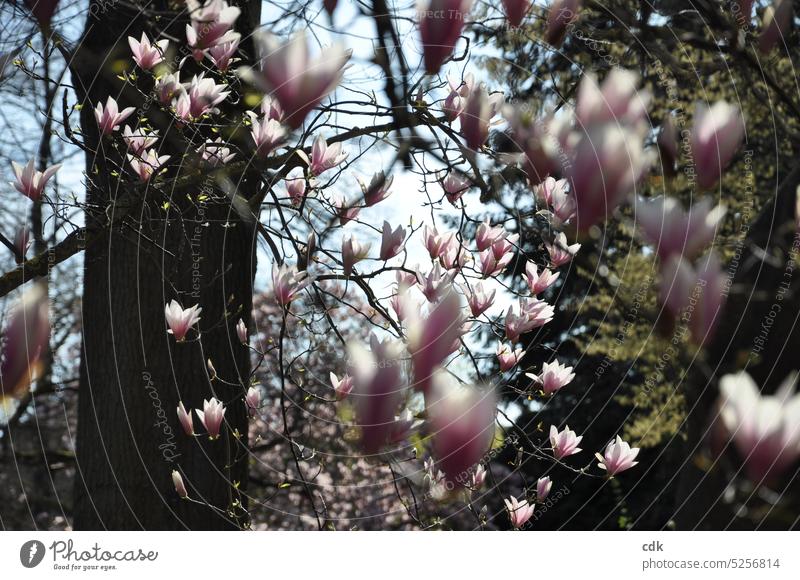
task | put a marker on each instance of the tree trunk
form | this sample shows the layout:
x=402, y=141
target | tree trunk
x=133, y=374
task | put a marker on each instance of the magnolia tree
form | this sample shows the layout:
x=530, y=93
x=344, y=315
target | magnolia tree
x=296, y=300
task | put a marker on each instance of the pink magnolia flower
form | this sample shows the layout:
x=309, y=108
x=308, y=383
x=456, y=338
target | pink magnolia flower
x=324, y=157
x=518, y=511
x=454, y=256
x=775, y=26
x=455, y=186
x=765, y=429
x=561, y=14
x=148, y=164
x=287, y=283
x=435, y=242
x=180, y=487
x=454, y=103
x=22, y=242
x=516, y=10
x=271, y=108
x=562, y=204
x=546, y=190
x=716, y=136
x=553, y=377
x=30, y=182
x=560, y=252
x=185, y=419
x=216, y=152
x=539, y=282
x=212, y=24
x=211, y=416
x=296, y=188
x=346, y=211
x=341, y=387
x=26, y=335
x=353, y=252
x=478, y=477
x=543, y=486
x=203, y=95
x=564, y=443
x=616, y=100
x=167, y=87
x=486, y=235
x=405, y=279
x=392, y=241
x=618, y=457
x=478, y=299
x=432, y=338
x=252, y=401
x=139, y=140
x=674, y=231
x=377, y=391
x=508, y=358
x=478, y=112
x=241, y=331
x=492, y=264
x=109, y=117
x=462, y=426
x=293, y=78
x=145, y=54
x=440, y=26
x=221, y=55
x=537, y=142
x=267, y=135
x=435, y=283
x=180, y=320
x=379, y=188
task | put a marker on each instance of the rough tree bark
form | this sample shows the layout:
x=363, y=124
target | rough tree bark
x=133, y=374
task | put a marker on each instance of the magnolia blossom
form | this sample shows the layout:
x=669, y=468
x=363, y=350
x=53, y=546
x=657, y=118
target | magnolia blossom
x=392, y=241
x=564, y=443
x=139, y=140
x=494, y=261
x=22, y=241
x=109, y=117
x=618, y=457
x=345, y=210
x=537, y=142
x=543, y=486
x=180, y=488
x=353, y=252
x=341, y=387
x=454, y=102
x=435, y=283
x=537, y=281
x=287, y=283
x=377, y=391
x=696, y=293
x=147, y=164
x=516, y=10
x=533, y=313
x=252, y=401
x=674, y=231
x=478, y=112
x=518, y=511
x=180, y=320
x=440, y=26
x=454, y=186
x=486, y=235
x=222, y=54
x=435, y=242
x=462, y=426
x=561, y=14
x=202, y=95
x=775, y=26
x=267, y=135
x=478, y=477
x=211, y=416
x=324, y=157
x=378, y=188
x=145, y=54
x=26, y=336
x=215, y=152
x=716, y=135
x=185, y=419
x=560, y=252
x=453, y=254
x=554, y=194
x=167, y=87
x=212, y=24
x=553, y=377
x=296, y=188
x=432, y=338
x=478, y=299
x=30, y=182
x=292, y=77
x=507, y=357
x=765, y=429
x=241, y=331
